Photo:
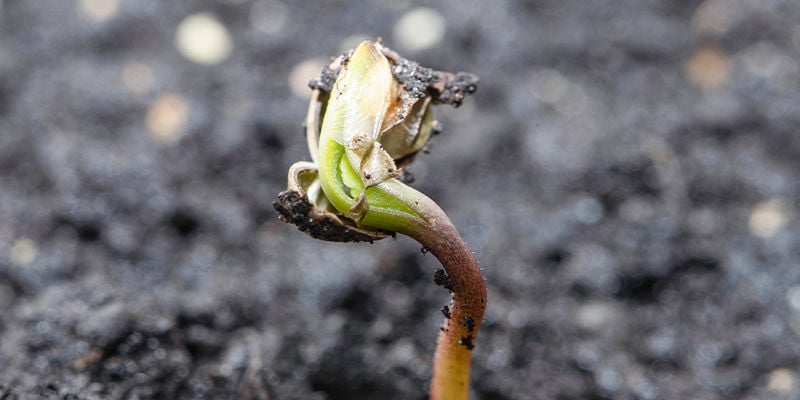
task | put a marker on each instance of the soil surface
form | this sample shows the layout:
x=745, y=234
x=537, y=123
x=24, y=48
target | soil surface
x=627, y=174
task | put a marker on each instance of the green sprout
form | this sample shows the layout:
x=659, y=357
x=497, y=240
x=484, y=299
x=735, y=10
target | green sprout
x=370, y=114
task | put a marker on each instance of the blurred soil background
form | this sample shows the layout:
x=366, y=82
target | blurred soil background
x=627, y=174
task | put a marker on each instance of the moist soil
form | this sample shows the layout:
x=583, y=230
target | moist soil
x=626, y=173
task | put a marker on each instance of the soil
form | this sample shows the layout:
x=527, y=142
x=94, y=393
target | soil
x=626, y=173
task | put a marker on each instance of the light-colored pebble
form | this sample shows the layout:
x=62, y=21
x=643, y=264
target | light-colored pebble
x=768, y=217
x=167, y=118
x=781, y=380
x=202, y=39
x=419, y=29
x=99, y=10
x=23, y=252
x=302, y=73
x=597, y=314
x=708, y=67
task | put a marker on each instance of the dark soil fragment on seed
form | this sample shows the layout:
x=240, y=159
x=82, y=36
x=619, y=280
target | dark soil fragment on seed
x=295, y=208
x=325, y=80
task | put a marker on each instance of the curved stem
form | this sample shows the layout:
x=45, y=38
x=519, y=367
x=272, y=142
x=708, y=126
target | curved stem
x=357, y=177
x=465, y=280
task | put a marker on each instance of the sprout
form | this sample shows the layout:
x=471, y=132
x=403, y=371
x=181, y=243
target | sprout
x=370, y=114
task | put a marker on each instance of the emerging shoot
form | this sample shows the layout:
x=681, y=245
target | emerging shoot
x=370, y=114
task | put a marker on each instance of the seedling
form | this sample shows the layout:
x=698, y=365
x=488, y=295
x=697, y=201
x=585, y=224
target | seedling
x=370, y=114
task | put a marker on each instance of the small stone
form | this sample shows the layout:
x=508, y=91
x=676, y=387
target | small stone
x=302, y=73
x=598, y=314
x=708, y=67
x=87, y=360
x=167, y=118
x=768, y=217
x=419, y=29
x=781, y=380
x=23, y=252
x=202, y=39
x=99, y=10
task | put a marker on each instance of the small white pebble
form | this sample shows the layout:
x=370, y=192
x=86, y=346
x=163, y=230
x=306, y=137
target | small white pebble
x=781, y=380
x=768, y=217
x=202, y=39
x=167, y=118
x=99, y=10
x=419, y=29
x=597, y=314
x=23, y=252
x=302, y=73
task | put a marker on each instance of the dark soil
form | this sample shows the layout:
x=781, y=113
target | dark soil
x=627, y=174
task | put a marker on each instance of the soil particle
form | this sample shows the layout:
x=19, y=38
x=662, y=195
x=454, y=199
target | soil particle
x=467, y=341
x=468, y=323
x=440, y=278
x=414, y=78
x=294, y=208
x=456, y=88
x=325, y=80
x=446, y=311
x=443, y=87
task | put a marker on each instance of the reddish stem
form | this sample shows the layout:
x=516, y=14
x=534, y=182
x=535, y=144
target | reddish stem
x=457, y=338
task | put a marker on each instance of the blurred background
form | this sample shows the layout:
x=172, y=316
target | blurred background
x=627, y=175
